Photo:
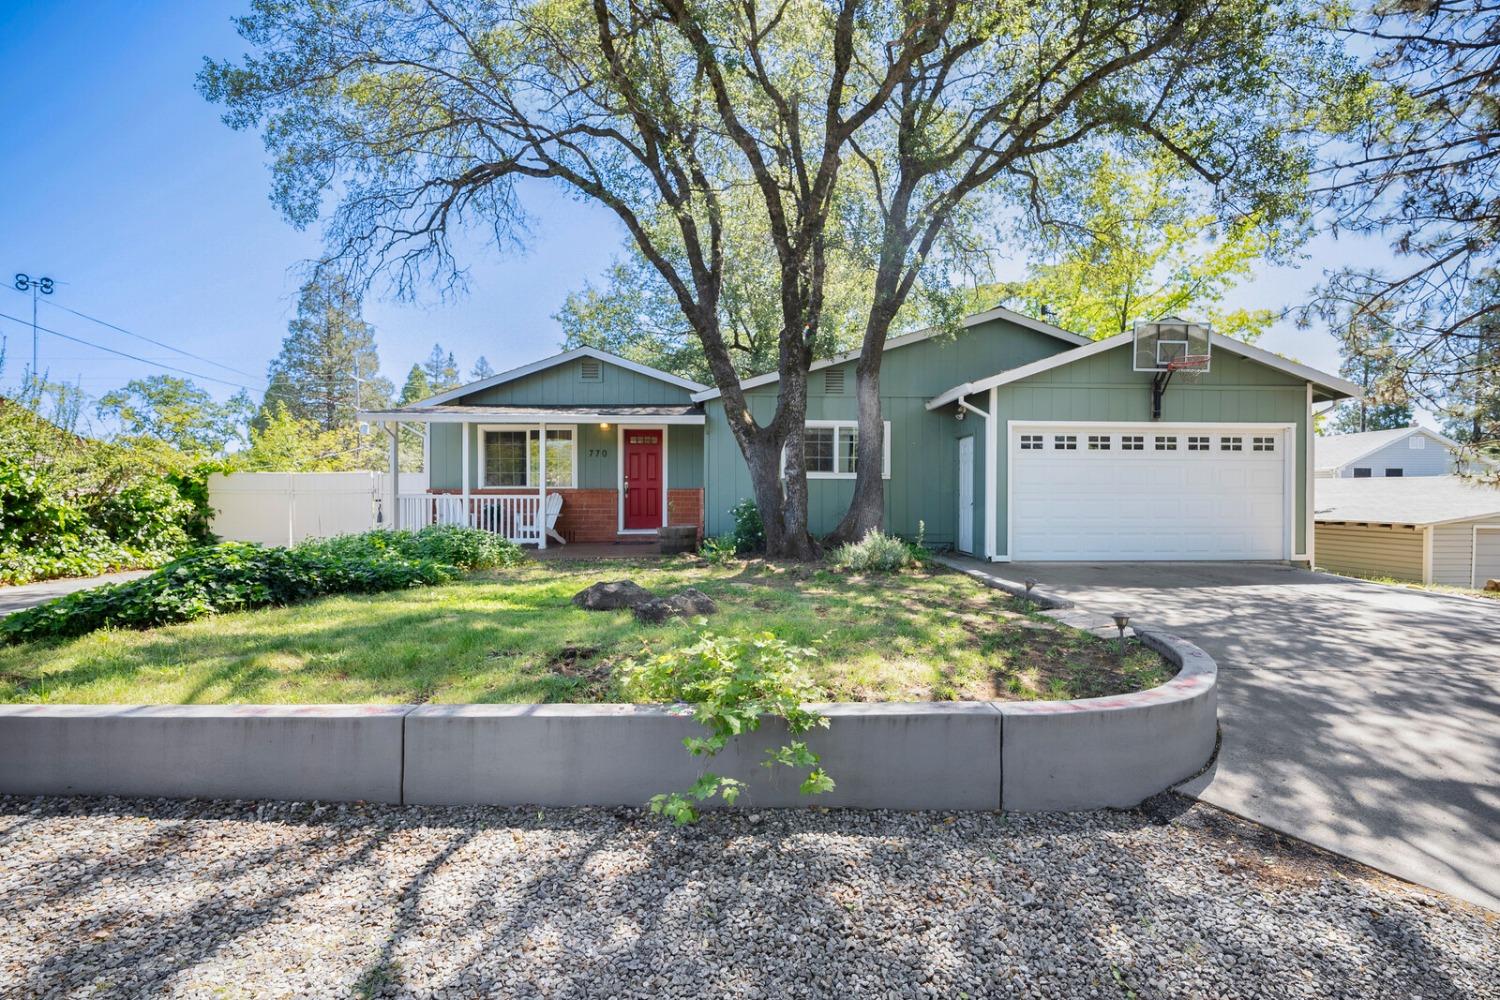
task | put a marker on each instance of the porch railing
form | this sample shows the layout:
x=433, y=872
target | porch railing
x=514, y=516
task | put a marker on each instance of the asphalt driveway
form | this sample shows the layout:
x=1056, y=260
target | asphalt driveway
x=27, y=595
x=1359, y=717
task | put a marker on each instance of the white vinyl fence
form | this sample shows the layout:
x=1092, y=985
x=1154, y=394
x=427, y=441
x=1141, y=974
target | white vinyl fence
x=283, y=508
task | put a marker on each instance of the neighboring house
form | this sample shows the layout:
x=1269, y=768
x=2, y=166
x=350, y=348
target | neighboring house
x=1012, y=439
x=1435, y=529
x=1402, y=451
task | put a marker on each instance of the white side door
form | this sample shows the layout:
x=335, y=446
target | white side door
x=966, y=494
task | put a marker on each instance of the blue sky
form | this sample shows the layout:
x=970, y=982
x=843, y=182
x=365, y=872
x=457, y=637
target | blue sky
x=118, y=180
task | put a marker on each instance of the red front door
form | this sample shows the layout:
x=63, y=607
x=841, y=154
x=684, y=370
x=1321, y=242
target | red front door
x=643, y=485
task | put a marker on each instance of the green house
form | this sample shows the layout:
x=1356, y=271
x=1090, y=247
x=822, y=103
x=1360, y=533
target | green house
x=1010, y=439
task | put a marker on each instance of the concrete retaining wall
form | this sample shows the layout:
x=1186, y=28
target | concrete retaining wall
x=1023, y=756
x=332, y=752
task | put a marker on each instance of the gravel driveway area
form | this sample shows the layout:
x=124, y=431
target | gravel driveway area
x=108, y=897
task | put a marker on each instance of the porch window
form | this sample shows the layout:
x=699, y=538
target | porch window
x=512, y=457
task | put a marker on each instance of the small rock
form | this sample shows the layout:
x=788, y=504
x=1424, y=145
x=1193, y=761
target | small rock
x=682, y=605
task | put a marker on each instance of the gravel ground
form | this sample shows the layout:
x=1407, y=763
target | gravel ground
x=109, y=897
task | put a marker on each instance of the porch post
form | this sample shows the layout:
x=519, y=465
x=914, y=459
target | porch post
x=541, y=510
x=393, y=431
x=468, y=519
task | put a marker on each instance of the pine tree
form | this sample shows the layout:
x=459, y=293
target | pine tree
x=416, y=388
x=328, y=368
x=1369, y=359
x=481, y=369
x=441, y=369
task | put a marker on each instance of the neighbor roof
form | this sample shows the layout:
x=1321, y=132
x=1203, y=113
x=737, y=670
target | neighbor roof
x=916, y=337
x=685, y=413
x=553, y=362
x=1418, y=500
x=1338, y=450
x=1332, y=386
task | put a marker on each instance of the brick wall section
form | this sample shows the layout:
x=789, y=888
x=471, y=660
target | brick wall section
x=593, y=515
x=685, y=507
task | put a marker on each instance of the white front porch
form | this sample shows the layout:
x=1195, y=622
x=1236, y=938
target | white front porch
x=512, y=516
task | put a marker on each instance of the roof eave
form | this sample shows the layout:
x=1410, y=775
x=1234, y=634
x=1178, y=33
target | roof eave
x=564, y=357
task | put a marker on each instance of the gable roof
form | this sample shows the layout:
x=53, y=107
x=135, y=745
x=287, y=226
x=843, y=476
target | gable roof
x=1333, y=386
x=553, y=362
x=916, y=337
x=1338, y=450
x=1417, y=500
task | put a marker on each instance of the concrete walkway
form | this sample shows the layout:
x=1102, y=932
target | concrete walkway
x=29, y=595
x=1361, y=718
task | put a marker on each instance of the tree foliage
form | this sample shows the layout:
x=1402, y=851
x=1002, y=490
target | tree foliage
x=1414, y=161
x=179, y=413
x=328, y=367
x=1139, y=244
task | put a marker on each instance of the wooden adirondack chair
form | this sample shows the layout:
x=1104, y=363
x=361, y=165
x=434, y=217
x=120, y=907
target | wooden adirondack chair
x=554, y=507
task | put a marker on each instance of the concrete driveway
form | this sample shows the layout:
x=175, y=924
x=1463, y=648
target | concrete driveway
x=28, y=595
x=1358, y=717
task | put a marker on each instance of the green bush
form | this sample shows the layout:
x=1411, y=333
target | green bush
x=749, y=532
x=731, y=682
x=236, y=576
x=877, y=552
x=719, y=551
x=148, y=516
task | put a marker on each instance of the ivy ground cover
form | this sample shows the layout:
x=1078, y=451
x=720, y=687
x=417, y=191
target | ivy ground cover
x=512, y=635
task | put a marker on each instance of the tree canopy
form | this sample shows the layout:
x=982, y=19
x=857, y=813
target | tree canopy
x=178, y=412
x=328, y=367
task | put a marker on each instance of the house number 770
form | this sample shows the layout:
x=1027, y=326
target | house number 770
x=598, y=453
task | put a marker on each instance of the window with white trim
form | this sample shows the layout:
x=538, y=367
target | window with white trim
x=1031, y=442
x=511, y=456
x=1231, y=443
x=1065, y=442
x=1098, y=442
x=1416, y=442
x=830, y=449
x=1132, y=442
x=1166, y=442
x=1197, y=442
x=1263, y=444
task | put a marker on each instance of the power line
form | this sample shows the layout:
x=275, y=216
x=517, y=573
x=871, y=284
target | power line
x=150, y=340
x=133, y=357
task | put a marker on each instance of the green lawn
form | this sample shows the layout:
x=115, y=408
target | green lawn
x=514, y=636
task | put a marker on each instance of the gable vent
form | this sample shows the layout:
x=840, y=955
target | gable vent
x=591, y=370
x=833, y=380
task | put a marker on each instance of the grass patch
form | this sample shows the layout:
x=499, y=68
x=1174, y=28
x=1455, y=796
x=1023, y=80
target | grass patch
x=512, y=635
x=1439, y=588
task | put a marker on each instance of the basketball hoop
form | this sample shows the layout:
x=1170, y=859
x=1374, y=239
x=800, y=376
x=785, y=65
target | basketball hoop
x=1188, y=363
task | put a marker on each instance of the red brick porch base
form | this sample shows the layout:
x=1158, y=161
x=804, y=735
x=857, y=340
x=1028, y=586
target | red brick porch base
x=593, y=515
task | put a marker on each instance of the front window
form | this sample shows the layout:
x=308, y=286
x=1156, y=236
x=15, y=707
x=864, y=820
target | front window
x=512, y=457
x=830, y=449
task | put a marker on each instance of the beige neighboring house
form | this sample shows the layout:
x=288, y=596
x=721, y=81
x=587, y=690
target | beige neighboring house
x=1404, y=451
x=1428, y=529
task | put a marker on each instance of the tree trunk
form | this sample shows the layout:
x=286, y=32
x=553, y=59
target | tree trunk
x=866, y=511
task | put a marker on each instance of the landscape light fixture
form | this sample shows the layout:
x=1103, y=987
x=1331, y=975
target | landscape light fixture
x=1121, y=620
x=1030, y=582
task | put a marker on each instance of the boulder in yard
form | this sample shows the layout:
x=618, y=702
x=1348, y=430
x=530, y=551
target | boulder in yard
x=1492, y=585
x=612, y=596
x=691, y=601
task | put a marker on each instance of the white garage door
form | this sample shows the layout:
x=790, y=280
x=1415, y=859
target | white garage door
x=1112, y=491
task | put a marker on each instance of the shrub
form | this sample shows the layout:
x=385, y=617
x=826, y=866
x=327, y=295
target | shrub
x=749, y=532
x=731, y=684
x=236, y=576
x=148, y=516
x=877, y=552
x=719, y=551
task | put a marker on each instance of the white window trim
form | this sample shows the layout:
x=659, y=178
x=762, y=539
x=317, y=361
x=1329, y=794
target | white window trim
x=839, y=425
x=572, y=429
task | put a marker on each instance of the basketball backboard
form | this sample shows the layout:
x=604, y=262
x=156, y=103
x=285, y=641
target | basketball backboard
x=1171, y=344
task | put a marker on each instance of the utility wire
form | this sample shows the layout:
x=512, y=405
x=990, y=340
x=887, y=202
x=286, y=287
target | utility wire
x=132, y=357
x=149, y=340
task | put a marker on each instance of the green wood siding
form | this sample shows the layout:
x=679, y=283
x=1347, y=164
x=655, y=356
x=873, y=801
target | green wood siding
x=1103, y=387
x=598, y=447
x=563, y=385
x=924, y=448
